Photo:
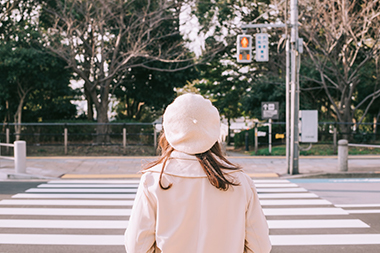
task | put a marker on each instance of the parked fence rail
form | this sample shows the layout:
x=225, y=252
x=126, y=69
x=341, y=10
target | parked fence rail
x=48, y=136
x=19, y=155
x=6, y=145
x=122, y=138
x=328, y=133
x=343, y=152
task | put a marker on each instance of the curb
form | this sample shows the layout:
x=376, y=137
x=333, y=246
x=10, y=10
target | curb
x=375, y=174
x=22, y=176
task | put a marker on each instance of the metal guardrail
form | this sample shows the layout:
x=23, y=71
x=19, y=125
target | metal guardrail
x=19, y=155
x=363, y=145
x=343, y=152
x=6, y=145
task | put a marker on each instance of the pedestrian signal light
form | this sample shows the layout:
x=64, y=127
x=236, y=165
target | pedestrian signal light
x=244, y=48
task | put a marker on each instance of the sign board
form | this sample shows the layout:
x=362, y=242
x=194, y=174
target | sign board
x=261, y=134
x=262, y=50
x=279, y=136
x=269, y=110
x=308, y=125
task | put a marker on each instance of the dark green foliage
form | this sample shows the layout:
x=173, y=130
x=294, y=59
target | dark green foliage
x=30, y=77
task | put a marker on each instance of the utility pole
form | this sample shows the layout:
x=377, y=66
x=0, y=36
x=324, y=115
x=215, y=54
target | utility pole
x=294, y=89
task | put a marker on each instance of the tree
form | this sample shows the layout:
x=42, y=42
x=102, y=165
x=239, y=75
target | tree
x=341, y=39
x=103, y=40
x=25, y=68
x=144, y=90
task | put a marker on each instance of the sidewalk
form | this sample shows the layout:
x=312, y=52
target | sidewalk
x=128, y=167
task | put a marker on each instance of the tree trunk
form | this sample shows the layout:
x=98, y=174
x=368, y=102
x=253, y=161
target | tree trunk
x=229, y=132
x=17, y=118
x=347, y=121
x=90, y=103
x=102, y=134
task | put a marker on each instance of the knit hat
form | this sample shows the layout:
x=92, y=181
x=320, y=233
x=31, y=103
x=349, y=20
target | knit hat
x=191, y=124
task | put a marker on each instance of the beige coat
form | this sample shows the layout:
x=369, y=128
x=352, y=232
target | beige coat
x=193, y=216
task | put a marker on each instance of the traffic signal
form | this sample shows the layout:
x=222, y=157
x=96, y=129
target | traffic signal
x=262, y=50
x=244, y=48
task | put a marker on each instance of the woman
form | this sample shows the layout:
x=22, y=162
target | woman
x=192, y=199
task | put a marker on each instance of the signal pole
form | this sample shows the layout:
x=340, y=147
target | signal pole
x=293, y=50
x=294, y=89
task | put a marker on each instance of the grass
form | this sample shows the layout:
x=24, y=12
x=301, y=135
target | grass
x=317, y=150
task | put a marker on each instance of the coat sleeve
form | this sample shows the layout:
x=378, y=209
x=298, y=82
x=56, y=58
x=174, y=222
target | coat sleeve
x=256, y=228
x=140, y=234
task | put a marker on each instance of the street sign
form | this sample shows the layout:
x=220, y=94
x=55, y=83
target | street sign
x=262, y=50
x=269, y=110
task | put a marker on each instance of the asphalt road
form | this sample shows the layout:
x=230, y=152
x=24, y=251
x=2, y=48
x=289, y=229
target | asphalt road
x=304, y=215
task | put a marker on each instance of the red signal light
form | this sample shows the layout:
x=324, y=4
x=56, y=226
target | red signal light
x=244, y=42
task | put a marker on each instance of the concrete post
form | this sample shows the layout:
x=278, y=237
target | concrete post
x=20, y=156
x=334, y=139
x=270, y=136
x=343, y=155
x=65, y=139
x=7, y=139
x=124, y=140
x=256, y=140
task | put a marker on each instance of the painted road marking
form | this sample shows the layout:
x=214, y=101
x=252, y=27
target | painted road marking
x=268, y=181
x=287, y=195
x=122, y=224
x=329, y=223
x=67, y=202
x=88, y=185
x=358, y=205
x=335, y=180
x=82, y=224
x=364, y=211
x=134, y=190
x=80, y=190
x=130, y=202
x=101, y=176
x=72, y=196
x=293, y=202
x=112, y=181
x=94, y=181
x=45, y=239
x=68, y=192
x=304, y=211
x=259, y=185
x=66, y=211
x=281, y=190
x=328, y=239
x=132, y=196
x=277, y=240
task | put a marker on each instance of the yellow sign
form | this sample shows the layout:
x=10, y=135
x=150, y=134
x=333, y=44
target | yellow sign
x=280, y=136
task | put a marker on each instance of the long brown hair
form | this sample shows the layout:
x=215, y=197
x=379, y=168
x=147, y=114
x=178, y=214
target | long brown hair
x=212, y=162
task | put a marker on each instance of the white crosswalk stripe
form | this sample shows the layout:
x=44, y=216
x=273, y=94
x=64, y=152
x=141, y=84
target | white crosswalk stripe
x=102, y=207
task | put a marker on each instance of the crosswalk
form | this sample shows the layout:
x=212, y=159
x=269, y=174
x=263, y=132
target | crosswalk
x=92, y=213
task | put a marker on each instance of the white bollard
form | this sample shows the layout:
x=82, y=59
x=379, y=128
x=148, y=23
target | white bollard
x=343, y=155
x=20, y=156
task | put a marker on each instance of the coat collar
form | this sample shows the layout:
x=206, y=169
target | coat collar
x=182, y=165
